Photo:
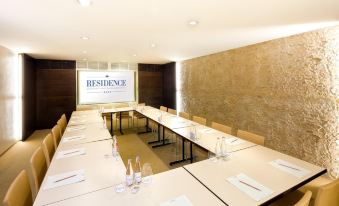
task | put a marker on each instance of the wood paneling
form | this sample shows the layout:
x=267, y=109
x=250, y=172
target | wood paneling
x=157, y=84
x=169, y=87
x=56, y=91
x=150, y=84
x=28, y=96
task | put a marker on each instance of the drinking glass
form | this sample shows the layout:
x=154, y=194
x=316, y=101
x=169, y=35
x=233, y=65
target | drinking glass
x=147, y=173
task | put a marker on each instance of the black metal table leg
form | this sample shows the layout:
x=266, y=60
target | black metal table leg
x=184, y=159
x=112, y=132
x=156, y=141
x=191, y=152
x=147, y=128
x=120, y=124
x=163, y=139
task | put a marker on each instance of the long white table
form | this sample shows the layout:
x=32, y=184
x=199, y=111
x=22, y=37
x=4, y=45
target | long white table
x=254, y=162
x=101, y=169
x=164, y=187
x=203, y=183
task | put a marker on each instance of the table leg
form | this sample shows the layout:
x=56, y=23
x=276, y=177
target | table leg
x=163, y=139
x=120, y=124
x=184, y=159
x=112, y=132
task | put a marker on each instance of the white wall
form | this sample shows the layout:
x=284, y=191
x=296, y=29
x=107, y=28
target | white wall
x=10, y=101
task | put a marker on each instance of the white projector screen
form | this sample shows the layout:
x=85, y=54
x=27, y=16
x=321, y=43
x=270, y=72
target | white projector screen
x=106, y=86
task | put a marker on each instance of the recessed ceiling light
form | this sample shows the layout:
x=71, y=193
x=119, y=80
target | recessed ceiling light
x=85, y=3
x=153, y=45
x=193, y=23
x=84, y=59
x=84, y=52
x=134, y=55
x=84, y=38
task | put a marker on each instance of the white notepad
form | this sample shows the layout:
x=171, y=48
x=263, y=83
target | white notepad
x=289, y=168
x=234, y=141
x=249, y=186
x=73, y=138
x=71, y=153
x=64, y=179
x=178, y=201
x=70, y=129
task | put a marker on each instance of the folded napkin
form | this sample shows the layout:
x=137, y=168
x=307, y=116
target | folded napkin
x=64, y=179
x=178, y=201
x=70, y=129
x=234, y=141
x=289, y=168
x=249, y=186
x=70, y=153
x=73, y=138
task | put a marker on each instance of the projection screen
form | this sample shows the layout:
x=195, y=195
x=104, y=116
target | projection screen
x=105, y=86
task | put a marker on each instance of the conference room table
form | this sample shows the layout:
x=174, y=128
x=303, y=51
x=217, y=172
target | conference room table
x=208, y=182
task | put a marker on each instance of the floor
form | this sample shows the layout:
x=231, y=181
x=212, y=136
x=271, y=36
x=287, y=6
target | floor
x=130, y=144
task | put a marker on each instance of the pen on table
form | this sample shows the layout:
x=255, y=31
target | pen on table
x=289, y=167
x=71, y=152
x=249, y=185
x=65, y=178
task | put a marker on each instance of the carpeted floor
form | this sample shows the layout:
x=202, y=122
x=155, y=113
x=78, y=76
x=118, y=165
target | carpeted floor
x=130, y=144
x=17, y=158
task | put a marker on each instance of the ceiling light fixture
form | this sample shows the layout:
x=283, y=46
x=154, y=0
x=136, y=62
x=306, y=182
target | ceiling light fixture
x=84, y=38
x=85, y=3
x=134, y=55
x=84, y=59
x=193, y=23
x=84, y=52
x=153, y=45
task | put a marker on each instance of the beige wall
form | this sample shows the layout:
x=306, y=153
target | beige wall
x=284, y=89
x=9, y=131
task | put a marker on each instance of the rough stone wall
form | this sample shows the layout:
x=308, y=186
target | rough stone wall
x=285, y=89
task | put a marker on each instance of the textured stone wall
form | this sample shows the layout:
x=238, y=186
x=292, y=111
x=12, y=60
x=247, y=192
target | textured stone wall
x=285, y=89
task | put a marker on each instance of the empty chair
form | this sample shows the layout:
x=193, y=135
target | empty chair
x=19, y=192
x=315, y=184
x=328, y=194
x=257, y=139
x=62, y=125
x=199, y=120
x=305, y=200
x=137, y=115
x=172, y=111
x=162, y=108
x=48, y=148
x=184, y=115
x=56, y=133
x=39, y=167
x=221, y=127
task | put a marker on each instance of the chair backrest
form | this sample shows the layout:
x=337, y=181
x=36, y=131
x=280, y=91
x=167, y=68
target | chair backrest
x=142, y=104
x=221, y=127
x=56, y=133
x=257, y=139
x=39, y=167
x=48, y=148
x=328, y=194
x=162, y=108
x=199, y=120
x=61, y=126
x=184, y=115
x=172, y=111
x=305, y=200
x=19, y=192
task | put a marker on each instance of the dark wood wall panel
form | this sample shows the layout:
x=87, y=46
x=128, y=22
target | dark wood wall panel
x=55, y=90
x=157, y=84
x=150, y=78
x=28, y=96
x=169, y=87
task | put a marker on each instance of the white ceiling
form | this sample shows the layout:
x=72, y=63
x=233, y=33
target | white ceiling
x=118, y=29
